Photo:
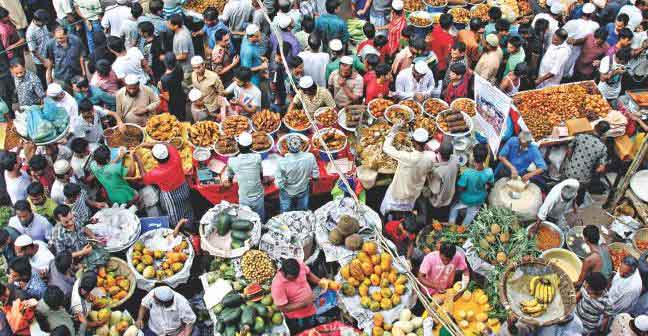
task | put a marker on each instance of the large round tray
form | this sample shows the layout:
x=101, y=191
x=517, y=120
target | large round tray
x=514, y=288
x=565, y=259
x=638, y=184
x=213, y=243
x=122, y=268
x=321, y=131
x=554, y=228
x=466, y=118
x=127, y=125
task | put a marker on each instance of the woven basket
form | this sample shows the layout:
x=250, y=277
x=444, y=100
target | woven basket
x=122, y=269
x=640, y=235
x=566, y=291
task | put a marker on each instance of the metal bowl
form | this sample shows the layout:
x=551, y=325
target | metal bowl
x=554, y=228
x=567, y=260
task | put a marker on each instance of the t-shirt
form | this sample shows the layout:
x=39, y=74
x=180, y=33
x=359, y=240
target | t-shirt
x=440, y=274
x=182, y=43
x=474, y=182
x=55, y=318
x=168, y=176
x=130, y=64
x=111, y=177
x=285, y=291
x=251, y=95
x=17, y=186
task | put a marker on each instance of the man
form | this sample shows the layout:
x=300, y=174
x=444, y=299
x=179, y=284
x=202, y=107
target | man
x=614, y=28
x=409, y=55
x=221, y=61
x=411, y=172
x=236, y=15
x=559, y=201
x=8, y=236
x=285, y=24
x=151, y=48
x=516, y=54
x=165, y=312
x=440, y=41
x=489, y=62
x=51, y=312
x=136, y=102
x=611, y=71
x=66, y=56
x=39, y=255
x=554, y=62
x=471, y=38
x=246, y=166
x=315, y=60
x=15, y=178
x=439, y=269
x=208, y=83
x=41, y=204
x=8, y=34
x=346, y=84
x=441, y=180
x=593, y=49
x=634, y=12
x=626, y=286
x=337, y=52
x=577, y=29
x=586, y=155
x=129, y=32
x=311, y=96
x=23, y=277
x=416, y=82
x=155, y=17
x=212, y=25
x=61, y=273
x=29, y=223
x=28, y=86
x=571, y=325
x=64, y=175
x=473, y=187
x=182, y=44
x=88, y=124
x=111, y=176
x=40, y=169
x=80, y=157
x=83, y=90
x=516, y=158
x=330, y=26
x=252, y=53
x=128, y=61
x=598, y=260
x=63, y=100
x=168, y=177
x=457, y=56
x=625, y=40
x=37, y=36
x=553, y=19
x=625, y=325
x=68, y=235
x=293, y=176
x=90, y=11
x=114, y=17
x=81, y=302
x=247, y=96
x=291, y=292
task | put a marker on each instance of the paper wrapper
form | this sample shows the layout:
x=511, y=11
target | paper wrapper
x=290, y=235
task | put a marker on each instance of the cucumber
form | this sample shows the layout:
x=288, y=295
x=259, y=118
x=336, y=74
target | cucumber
x=242, y=225
x=239, y=235
x=232, y=300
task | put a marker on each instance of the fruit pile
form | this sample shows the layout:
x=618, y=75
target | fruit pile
x=250, y=312
x=111, y=282
x=470, y=310
x=159, y=264
x=238, y=229
x=379, y=285
x=117, y=323
x=543, y=291
x=407, y=324
x=257, y=266
x=345, y=232
x=431, y=237
x=220, y=268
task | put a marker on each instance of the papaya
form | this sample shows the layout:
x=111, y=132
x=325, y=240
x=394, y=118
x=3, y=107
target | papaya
x=356, y=270
x=344, y=271
x=375, y=280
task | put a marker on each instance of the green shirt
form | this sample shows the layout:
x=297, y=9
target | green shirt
x=111, y=177
x=357, y=65
x=247, y=169
x=513, y=61
x=46, y=209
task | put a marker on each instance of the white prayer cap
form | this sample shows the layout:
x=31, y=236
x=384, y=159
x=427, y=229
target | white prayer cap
x=164, y=294
x=421, y=67
x=194, y=95
x=306, y=82
x=244, y=139
x=197, y=60
x=641, y=322
x=23, y=240
x=421, y=135
x=599, y=3
x=131, y=79
x=397, y=5
x=54, y=90
x=589, y=8
x=557, y=8
x=284, y=21
x=492, y=40
x=251, y=29
x=160, y=151
x=335, y=45
x=348, y=60
x=122, y=2
x=61, y=167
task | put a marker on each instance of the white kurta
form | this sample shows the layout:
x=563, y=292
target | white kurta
x=554, y=61
x=554, y=207
x=577, y=29
x=624, y=292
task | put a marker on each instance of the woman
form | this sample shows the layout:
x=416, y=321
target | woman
x=171, y=84
x=104, y=78
x=511, y=83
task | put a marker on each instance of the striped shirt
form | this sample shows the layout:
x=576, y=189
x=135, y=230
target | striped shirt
x=591, y=311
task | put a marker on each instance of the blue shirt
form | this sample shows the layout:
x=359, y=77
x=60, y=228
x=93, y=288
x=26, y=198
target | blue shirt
x=474, y=184
x=211, y=30
x=330, y=27
x=35, y=287
x=251, y=57
x=65, y=59
x=97, y=97
x=612, y=34
x=522, y=159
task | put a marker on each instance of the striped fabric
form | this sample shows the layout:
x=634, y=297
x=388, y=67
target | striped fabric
x=591, y=311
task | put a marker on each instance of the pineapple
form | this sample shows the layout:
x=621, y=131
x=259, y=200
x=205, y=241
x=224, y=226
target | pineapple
x=490, y=238
x=504, y=237
x=495, y=229
x=501, y=257
x=484, y=244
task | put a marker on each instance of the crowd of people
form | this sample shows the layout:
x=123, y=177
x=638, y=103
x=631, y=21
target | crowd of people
x=111, y=64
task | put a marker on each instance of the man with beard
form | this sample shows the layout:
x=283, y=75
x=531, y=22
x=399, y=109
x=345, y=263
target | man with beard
x=29, y=223
x=135, y=102
x=208, y=83
x=347, y=85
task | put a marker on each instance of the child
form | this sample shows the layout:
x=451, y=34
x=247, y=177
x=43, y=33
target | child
x=472, y=187
x=592, y=307
x=379, y=86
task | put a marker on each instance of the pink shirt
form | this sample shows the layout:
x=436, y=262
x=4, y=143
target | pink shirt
x=285, y=291
x=109, y=83
x=440, y=274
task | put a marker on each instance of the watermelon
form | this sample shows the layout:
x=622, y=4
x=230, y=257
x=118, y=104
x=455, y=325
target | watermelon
x=223, y=223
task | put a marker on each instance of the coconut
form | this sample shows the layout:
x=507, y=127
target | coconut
x=335, y=237
x=353, y=242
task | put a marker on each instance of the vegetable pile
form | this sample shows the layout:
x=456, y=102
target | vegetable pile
x=246, y=311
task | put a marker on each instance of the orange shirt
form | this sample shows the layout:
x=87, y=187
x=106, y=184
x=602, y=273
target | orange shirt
x=471, y=40
x=285, y=291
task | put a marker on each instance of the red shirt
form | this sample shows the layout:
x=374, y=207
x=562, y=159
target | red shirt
x=364, y=44
x=440, y=41
x=372, y=88
x=285, y=291
x=398, y=237
x=169, y=176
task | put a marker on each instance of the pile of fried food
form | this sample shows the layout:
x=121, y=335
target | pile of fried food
x=204, y=133
x=414, y=106
x=459, y=15
x=131, y=137
x=453, y=121
x=327, y=118
x=334, y=139
x=420, y=20
x=466, y=105
x=163, y=127
x=378, y=106
x=480, y=11
x=266, y=121
x=426, y=123
x=235, y=125
x=226, y=145
x=413, y=5
x=543, y=109
x=352, y=115
x=436, y=3
x=543, y=290
x=260, y=141
x=199, y=6
x=370, y=151
x=433, y=106
x=403, y=141
x=397, y=113
x=297, y=120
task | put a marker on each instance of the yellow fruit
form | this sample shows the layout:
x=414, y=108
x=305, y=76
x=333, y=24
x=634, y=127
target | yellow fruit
x=168, y=272
x=384, y=283
x=363, y=257
x=392, y=277
x=482, y=299
x=334, y=285
x=114, y=290
x=140, y=268
x=157, y=254
x=160, y=274
x=355, y=269
x=138, y=246
x=344, y=271
x=376, y=296
x=377, y=270
x=469, y=315
x=369, y=248
x=177, y=267
x=402, y=279
x=460, y=315
x=481, y=317
x=501, y=256
x=366, y=282
x=385, y=257
x=385, y=265
x=109, y=281
x=399, y=289
x=375, y=259
x=149, y=272
x=147, y=251
x=457, y=286
x=124, y=284
x=147, y=259
x=395, y=299
x=385, y=304
x=363, y=290
x=103, y=314
x=378, y=319
x=354, y=282
x=387, y=326
x=375, y=280
x=365, y=301
x=367, y=269
x=464, y=324
x=386, y=292
x=377, y=331
x=466, y=296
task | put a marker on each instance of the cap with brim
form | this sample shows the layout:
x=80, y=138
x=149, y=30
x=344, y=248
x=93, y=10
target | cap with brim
x=397, y=5
x=335, y=45
x=160, y=151
x=251, y=29
x=23, y=240
x=306, y=82
x=54, y=90
x=164, y=294
x=421, y=68
x=589, y=8
x=348, y=60
x=61, y=167
x=492, y=40
x=420, y=135
x=244, y=139
x=131, y=79
x=197, y=60
x=194, y=95
x=284, y=21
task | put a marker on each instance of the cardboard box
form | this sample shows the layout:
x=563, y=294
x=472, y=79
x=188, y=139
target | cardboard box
x=577, y=126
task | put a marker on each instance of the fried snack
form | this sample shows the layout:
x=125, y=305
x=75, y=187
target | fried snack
x=453, y=122
x=425, y=123
x=436, y=3
x=413, y=5
x=297, y=120
x=414, y=106
x=334, y=139
x=378, y=106
x=204, y=133
x=260, y=141
x=328, y=118
x=374, y=134
x=352, y=115
x=464, y=105
x=403, y=141
x=397, y=112
x=459, y=15
x=235, y=125
x=433, y=106
x=163, y=127
x=199, y=6
x=226, y=145
x=480, y=11
x=597, y=105
x=420, y=21
x=266, y=121
x=131, y=137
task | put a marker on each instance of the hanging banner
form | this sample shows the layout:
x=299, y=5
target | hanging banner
x=492, y=111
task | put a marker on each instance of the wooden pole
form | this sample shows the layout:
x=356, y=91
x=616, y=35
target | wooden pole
x=625, y=182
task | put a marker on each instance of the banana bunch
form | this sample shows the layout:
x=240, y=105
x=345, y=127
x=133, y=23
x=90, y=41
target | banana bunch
x=533, y=307
x=543, y=288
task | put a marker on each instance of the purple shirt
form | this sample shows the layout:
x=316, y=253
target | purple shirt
x=289, y=38
x=590, y=53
